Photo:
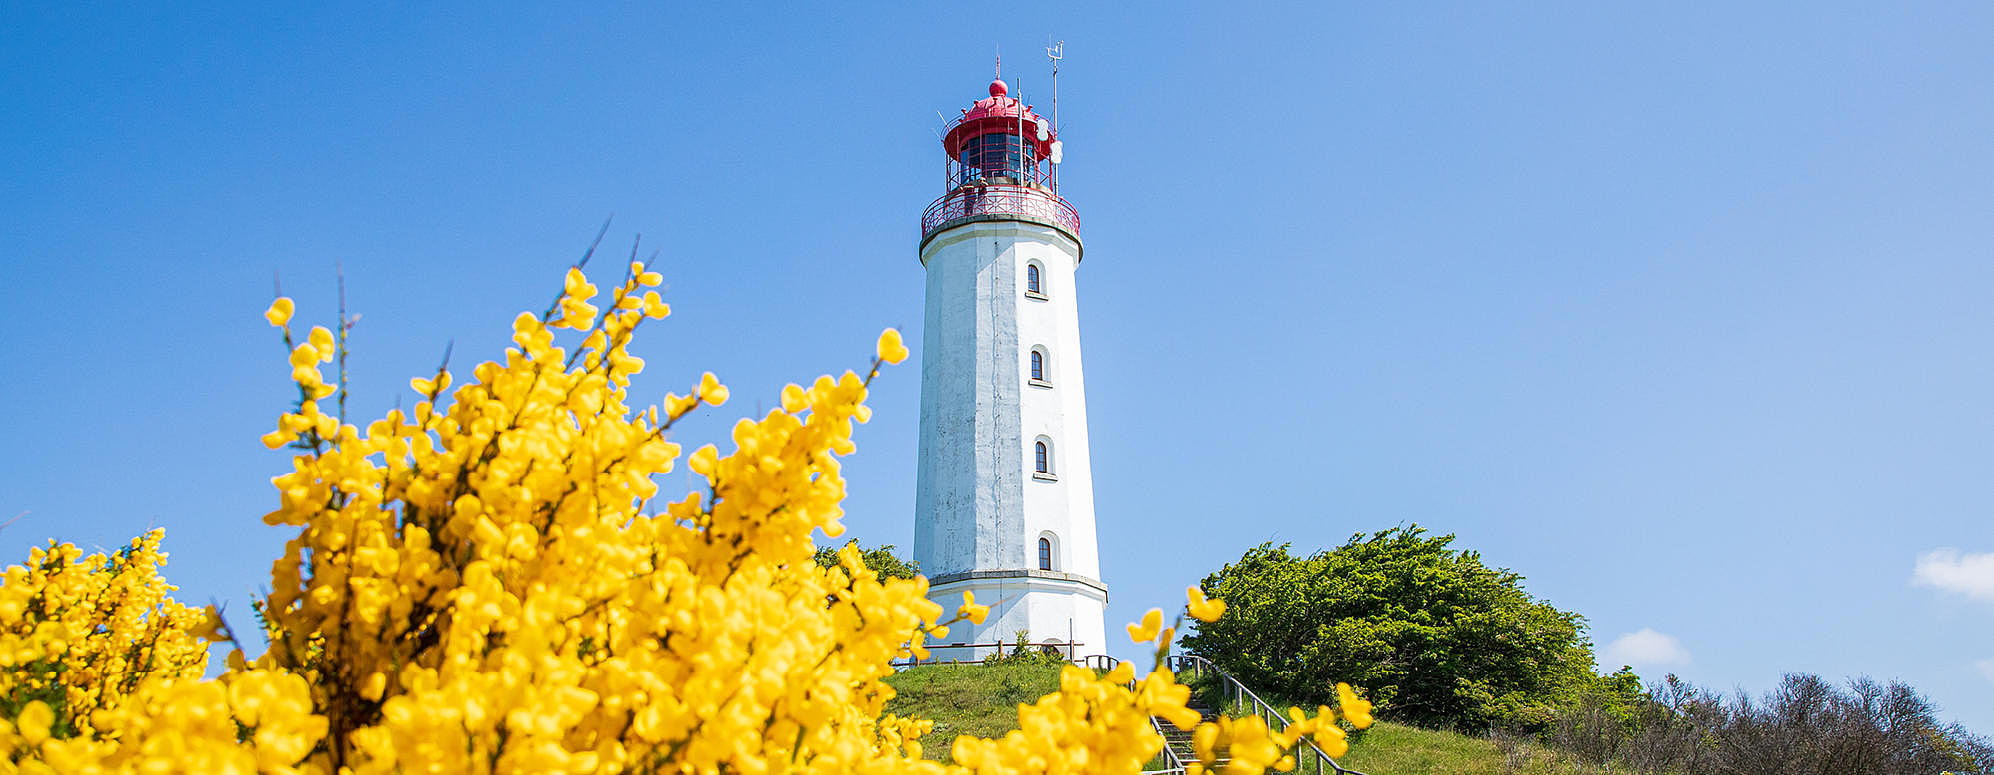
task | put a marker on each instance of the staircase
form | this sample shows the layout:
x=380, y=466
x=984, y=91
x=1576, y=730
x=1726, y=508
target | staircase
x=1178, y=741
x=1240, y=701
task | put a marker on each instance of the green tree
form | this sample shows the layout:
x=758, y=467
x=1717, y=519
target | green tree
x=1440, y=639
x=880, y=559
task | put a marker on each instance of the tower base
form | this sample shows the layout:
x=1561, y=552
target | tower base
x=1063, y=611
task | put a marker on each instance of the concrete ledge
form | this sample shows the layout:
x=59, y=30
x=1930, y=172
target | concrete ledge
x=1046, y=575
x=1079, y=248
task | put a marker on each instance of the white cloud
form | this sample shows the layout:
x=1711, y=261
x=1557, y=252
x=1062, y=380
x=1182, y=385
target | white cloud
x=1644, y=649
x=1971, y=575
x=1986, y=668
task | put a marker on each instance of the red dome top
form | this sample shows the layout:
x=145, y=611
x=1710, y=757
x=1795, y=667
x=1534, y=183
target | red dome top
x=997, y=113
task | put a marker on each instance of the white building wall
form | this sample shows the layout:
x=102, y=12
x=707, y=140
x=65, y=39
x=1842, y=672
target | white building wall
x=969, y=488
x=1057, y=411
x=1047, y=609
x=979, y=510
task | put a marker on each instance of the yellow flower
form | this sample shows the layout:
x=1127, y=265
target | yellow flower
x=306, y=355
x=1355, y=709
x=1151, y=626
x=1205, y=741
x=655, y=307
x=703, y=460
x=711, y=391
x=34, y=722
x=1204, y=610
x=890, y=348
x=211, y=628
x=970, y=610
x=279, y=312
x=321, y=339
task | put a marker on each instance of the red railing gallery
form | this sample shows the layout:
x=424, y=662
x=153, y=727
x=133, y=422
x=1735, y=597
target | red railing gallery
x=999, y=200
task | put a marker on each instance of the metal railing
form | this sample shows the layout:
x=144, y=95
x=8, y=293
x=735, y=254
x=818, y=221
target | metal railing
x=1069, y=648
x=1172, y=764
x=997, y=199
x=1237, y=695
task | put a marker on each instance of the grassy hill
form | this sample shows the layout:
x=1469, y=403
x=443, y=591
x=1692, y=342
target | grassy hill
x=1392, y=749
x=976, y=700
x=982, y=701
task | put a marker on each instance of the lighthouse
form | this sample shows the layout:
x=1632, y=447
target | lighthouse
x=1004, y=500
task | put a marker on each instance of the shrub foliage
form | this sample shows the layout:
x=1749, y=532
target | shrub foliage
x=1441, y=639
x=880, y=559
x=1805, y=726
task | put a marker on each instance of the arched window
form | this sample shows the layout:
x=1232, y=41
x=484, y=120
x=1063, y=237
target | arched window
x=1038, y=365
x=1045, y=554
x=1044, y=467
x=1032, y=279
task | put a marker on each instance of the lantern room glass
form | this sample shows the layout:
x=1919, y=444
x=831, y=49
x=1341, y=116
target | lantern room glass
x=986, y=158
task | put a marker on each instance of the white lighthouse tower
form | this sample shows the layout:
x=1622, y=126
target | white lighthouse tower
x=1004, y=506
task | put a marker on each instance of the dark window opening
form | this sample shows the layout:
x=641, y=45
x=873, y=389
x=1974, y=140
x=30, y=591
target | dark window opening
x=1041, y=450
x=996, y=155
x=1045, y=549
x=1038, y=368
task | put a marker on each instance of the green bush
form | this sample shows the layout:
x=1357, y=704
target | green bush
x=881, y=560
x=1439, y=639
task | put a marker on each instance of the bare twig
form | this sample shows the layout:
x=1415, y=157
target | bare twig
x=339, y=270
x=584, y=262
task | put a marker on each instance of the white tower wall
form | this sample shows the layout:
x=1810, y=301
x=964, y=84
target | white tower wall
x=981, y=506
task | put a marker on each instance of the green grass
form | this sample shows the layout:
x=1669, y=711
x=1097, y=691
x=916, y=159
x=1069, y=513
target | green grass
x=974, y=700
x=1396, y=749
x=1392, y=749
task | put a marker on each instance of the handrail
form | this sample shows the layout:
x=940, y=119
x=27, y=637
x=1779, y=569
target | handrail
x=1000, y=200
x=1172, y=763
x=1234, y=690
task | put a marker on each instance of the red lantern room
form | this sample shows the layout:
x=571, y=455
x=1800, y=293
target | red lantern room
x=1000, y=164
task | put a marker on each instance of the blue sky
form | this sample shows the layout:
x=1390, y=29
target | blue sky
x=1681, y=313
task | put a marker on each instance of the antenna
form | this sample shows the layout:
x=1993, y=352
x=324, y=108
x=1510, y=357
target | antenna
x=1055, y=52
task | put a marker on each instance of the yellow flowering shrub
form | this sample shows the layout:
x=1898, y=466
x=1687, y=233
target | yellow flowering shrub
x=79, y=635
x=493, y=582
